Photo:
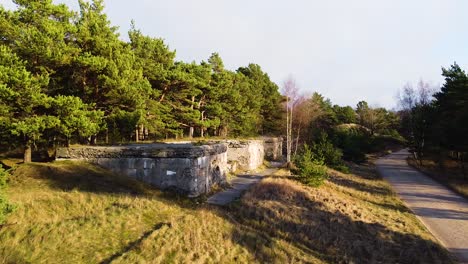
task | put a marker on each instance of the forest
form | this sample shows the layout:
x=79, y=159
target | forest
x=67, y=77
x=435, y=121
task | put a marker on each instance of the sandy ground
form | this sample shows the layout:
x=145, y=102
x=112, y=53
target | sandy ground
x=442, y=211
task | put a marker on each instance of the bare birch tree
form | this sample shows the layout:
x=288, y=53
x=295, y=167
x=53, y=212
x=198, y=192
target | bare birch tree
x=291, y=92
x=411, y=101
x=306, y=110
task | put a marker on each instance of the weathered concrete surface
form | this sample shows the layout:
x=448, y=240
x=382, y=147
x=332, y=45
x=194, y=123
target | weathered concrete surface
x=189, y=169
x=442, y=211
x=238, y=185
x=156, y=150
x=245, y=154
x=273, y=148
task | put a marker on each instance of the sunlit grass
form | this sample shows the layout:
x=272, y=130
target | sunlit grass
x=352, y=218
x=78, y=213
x=64, y=220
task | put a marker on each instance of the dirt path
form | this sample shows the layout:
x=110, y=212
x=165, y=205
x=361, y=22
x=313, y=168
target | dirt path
x=442, y=211
x=238, y=185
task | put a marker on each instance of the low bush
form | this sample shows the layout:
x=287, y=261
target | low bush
x=354, y=141
x=332, y=156
x=343, y=168
x=323, y=149
x=310, y=169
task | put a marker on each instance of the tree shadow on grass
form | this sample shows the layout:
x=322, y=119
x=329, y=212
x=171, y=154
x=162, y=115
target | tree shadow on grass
x=271, y=211
x=136, y=243
x=365, y=170
x=397, y=207
x=68, y=176
x=360, y=186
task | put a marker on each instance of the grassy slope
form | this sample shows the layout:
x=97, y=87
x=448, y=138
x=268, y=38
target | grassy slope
x=73, y=212
x=353, y=218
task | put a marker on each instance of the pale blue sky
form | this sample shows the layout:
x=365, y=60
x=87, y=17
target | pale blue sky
x=345, y=50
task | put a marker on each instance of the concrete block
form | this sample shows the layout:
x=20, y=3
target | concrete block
x=190, y=169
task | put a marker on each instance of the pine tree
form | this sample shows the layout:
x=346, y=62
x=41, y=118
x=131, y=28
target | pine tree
x=23, y=105
x=76, y=117
x=268, y=98
x=106, y=73
x=452, y=108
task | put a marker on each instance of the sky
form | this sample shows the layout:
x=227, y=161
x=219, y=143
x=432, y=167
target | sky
x=346, y=50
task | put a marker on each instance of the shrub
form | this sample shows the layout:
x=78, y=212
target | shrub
x=331, y=155
x=343, y=168
x=354, y=141
x=5, y=207
x=382, y=142
x=310, y=169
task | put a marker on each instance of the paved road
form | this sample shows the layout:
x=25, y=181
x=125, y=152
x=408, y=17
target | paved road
x=442, y=211
x=238, y=185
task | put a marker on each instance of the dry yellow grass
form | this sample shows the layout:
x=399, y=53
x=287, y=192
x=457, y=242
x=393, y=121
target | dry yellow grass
x=77, y=213
x=353, y=218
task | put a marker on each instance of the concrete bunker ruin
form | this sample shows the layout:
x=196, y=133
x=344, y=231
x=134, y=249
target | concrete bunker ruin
x=189, y=169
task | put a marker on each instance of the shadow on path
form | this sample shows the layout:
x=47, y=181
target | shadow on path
x=442, y=211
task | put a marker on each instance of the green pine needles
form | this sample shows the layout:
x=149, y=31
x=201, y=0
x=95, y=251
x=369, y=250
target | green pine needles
x=311, y=169
x=69, y=78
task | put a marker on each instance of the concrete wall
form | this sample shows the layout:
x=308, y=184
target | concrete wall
x=181, y=166
x=273, y=148
x=245, y=154
x=189, y=169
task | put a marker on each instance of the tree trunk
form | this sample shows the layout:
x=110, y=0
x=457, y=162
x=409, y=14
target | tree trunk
x=201, y=127
x=288, y=149
x=163, y=94
x=290, y=132
x=93, y=139
x=440, y=159
x=191, y=129
x=462, y=165
x=137, y=129
x=107, y=136
x=27, y=153
x=141, y=132
x=297, y=140
x=223, y=131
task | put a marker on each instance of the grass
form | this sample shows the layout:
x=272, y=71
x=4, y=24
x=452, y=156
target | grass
x=449, y=175
x=77, y=213
x=353, y=218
